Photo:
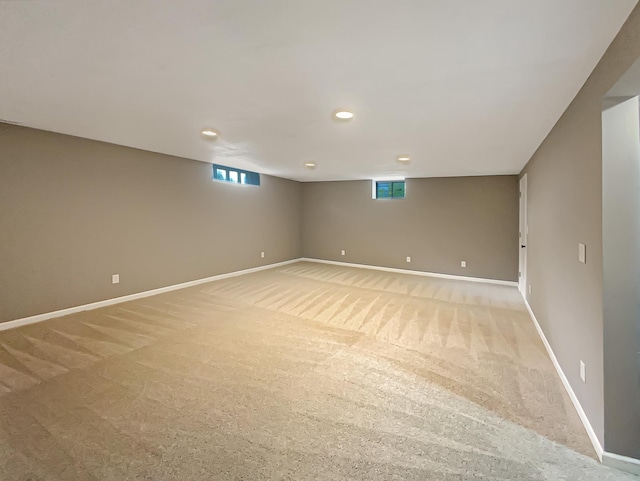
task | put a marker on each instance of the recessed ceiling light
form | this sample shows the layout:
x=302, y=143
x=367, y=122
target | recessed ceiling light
x=403, y=159
x=310, y=165
x=343, y=114
x=210, y=134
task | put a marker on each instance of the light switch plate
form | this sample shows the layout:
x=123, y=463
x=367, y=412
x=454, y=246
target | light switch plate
x=582, y=253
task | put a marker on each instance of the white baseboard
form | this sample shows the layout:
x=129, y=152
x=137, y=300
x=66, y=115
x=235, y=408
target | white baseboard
x=623, y=463
x=572, y=395
x=139, y=295
x=415, y=273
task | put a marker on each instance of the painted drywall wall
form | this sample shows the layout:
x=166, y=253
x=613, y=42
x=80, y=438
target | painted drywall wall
x=621, y=276
x=441, y=222
x=75, y=211
x=565, y=208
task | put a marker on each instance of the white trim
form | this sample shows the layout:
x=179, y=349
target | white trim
x=572, y=395
x=139, y=295
x=523, y=238
x=623, y=463
x=415, y=273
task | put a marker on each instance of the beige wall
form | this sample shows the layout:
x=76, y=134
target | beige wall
x=440, y=222
x=75, y=211
x=565, y=208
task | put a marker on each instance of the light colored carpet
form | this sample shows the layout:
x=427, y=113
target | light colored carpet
x=308, y=371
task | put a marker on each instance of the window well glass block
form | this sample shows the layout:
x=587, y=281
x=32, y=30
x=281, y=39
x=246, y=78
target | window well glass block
x=234, y=175
x=383, y=190
x=398, y=190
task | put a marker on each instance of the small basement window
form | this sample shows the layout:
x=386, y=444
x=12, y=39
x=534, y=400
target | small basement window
x=388, y=189
x=235, y=176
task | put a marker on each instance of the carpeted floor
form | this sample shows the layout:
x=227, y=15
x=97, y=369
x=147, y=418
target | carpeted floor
x=304, y=372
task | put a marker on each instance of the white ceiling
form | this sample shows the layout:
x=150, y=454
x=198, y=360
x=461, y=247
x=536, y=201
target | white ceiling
x=465, y=87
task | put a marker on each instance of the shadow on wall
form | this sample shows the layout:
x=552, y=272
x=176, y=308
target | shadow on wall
x=621, y=264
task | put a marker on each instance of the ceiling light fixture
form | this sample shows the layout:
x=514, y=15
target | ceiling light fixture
x=343, y=114
x=210, y=134
x=403, y=159
x=310, y=165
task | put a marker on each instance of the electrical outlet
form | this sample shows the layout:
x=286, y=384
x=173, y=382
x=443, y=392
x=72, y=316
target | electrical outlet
x=529, y=289
x=262, y=255
x=582, y=253
x=408, y=258
x=583, y=372
x=463, y=263
x=115, y=279
x=342, y=252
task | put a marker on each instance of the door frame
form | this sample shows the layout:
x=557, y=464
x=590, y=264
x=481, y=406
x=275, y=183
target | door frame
x=523, y=234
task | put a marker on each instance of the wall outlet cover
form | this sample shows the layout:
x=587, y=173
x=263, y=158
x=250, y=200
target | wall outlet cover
x=342, y=252
x=582, y=253
x=583, y=372
x=115, y=279
x=463, y=263
x=408, y=258
x=262, y=255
